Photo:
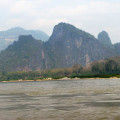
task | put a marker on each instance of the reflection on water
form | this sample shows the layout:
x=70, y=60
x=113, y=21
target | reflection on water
x=61, y=100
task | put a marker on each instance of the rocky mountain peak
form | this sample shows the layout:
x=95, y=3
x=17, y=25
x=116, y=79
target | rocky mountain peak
x=65, y=31
x=104, y=38
x=62, y=28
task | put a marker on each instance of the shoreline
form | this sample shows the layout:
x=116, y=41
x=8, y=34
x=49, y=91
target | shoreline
x=51, y=79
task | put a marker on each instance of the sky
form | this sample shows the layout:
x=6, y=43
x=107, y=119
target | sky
x=92, y=16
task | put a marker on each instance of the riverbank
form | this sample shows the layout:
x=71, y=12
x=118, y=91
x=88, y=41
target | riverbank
x=51, y=79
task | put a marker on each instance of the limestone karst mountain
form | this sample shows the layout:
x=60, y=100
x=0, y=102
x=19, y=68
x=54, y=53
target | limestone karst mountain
x=67, y=46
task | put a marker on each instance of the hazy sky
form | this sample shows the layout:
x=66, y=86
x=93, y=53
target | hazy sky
x=92, y=16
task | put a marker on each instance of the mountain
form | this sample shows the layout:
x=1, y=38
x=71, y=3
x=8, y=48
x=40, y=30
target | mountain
x=104, y=38
x=67, y=46
x=24, y=54
x=71, y=45
x=11, y=35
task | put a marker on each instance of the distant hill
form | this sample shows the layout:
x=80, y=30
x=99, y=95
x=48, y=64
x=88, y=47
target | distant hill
x=67, y=46
x=11, y=35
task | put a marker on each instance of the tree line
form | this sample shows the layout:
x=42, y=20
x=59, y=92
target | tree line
x=106, y=68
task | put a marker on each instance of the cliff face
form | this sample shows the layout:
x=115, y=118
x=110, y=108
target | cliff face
x=67, y=46
x=71, y=45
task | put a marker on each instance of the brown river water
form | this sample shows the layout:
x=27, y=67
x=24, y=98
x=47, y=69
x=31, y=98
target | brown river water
x=85, y=99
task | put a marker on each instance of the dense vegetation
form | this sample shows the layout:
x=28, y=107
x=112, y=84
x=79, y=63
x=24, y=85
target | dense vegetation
x=102, y=69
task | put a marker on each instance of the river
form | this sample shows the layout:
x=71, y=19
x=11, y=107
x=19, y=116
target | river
x=84, y=99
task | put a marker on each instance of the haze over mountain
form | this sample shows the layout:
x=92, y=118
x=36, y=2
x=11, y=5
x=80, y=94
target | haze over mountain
x=11, y=35
x=67, y=46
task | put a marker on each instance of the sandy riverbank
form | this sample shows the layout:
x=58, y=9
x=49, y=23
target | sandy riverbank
x=50, y=79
